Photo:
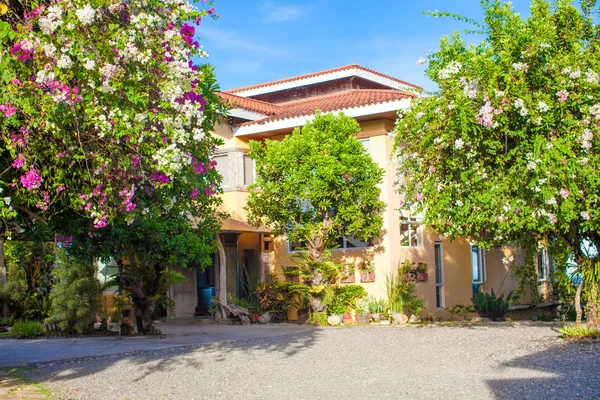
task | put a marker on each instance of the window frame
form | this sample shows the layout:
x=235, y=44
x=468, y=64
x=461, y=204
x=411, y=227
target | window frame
x=545, y=265
x=481, y=265
x=344, y=246
x=439, y=285
x=418, y=232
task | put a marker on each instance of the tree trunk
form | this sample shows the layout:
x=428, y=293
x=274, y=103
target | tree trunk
x=144, y=308
x=3, y=277
x=578, y=303
x=222, y=277
x=592, y=307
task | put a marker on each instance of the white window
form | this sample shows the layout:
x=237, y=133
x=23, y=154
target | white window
x=439, y=290
x=345, y=242
x=411, y=233
x=477, y=264
x=350, y=242
x=223, y=169
x=542, y=265
x=366, y=144
x=249, y=170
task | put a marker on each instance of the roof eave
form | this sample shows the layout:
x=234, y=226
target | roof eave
x=294, y=122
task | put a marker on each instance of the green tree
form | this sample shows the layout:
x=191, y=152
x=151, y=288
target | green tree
x=314, y=186
x=507, y=150
x=75, y=296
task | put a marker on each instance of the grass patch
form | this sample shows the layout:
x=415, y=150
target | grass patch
x=5, y=335
x=27, y=329
x=13, y=385
x=581, y=332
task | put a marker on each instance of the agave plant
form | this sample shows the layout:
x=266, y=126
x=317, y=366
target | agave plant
x=492, y=305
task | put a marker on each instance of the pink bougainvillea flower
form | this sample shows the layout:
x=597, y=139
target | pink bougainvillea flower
x=19, y=162
x=31, y=180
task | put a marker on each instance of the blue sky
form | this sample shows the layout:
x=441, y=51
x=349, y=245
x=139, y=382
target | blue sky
x=262, y=40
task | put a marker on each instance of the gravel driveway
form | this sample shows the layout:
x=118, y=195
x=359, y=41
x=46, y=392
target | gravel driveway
x=425, y=362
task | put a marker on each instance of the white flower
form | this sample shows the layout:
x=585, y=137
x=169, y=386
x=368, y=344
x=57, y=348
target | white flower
x=89, y=64
x=451, y=69
x=86, y=14
x=551, y=201
x=543, y=107
x=52, y=20
x=585, y=215
x=523, y=112
x=459, y=143
x=591, y=77
x=7, y=200
x=64, y=62
x=519, y=103
x=575, y=75
x=595, y=110
x=437, y=140
x=421, y=61
x=531, y=165
x=499, y=93
x=545, y=45
x=520, y=67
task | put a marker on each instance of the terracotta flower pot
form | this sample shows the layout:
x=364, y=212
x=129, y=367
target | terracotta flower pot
x=422, y=276
x=347, y=319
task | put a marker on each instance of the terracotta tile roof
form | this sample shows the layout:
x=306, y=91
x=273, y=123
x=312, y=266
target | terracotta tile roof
x=328, y=71
x=333, y=102
x=258, y=106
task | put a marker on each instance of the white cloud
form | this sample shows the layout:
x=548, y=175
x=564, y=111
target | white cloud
x=280, y=13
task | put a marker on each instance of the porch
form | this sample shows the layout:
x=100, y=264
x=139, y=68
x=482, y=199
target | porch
x=243, y=252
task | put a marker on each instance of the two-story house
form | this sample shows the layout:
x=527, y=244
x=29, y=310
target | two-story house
x=272, y=110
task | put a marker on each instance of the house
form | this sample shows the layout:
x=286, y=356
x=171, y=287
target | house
x=272, y=110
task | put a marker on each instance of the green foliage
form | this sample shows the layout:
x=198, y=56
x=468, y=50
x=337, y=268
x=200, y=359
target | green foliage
x=291, y=271
x=6, y=321
x=317, y=169
x=348, y=295
x=579, y=332
x=492, y=305
x=318, y=318
x=277, y=297
x=377, y=306
x=460, y=309
x=506, y=151
x=402, y=293
x=75, y=295
x=362, y=306
x=37, y=307
x=27, y=329
x=314, y=186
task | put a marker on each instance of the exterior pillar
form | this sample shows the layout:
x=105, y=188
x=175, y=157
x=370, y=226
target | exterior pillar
x=222, y=277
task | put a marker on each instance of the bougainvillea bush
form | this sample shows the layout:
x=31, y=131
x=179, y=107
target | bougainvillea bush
x=105, y=120
x=102, y=107
x=507, y=151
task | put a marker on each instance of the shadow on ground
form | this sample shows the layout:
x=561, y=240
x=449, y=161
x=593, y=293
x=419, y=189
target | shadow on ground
x=572, y=369
x=144, y=363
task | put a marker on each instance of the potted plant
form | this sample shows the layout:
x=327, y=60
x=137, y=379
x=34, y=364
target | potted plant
x=367, y=274
x=336, y=308
x=347, y=317
x=422, y=272
x=385, y=319
x=348, y=275
x=363, y=315
x=291, y=274
x=490, y=305
x=377, y=307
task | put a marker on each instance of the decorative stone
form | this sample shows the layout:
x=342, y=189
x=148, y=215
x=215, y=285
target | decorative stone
x=414, y=319
x=265, y=318
x=334, y=320
x=476, y=319
x=400, y=318
x=384, y=322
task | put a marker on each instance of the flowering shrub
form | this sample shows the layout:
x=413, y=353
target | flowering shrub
x=507, y=150
x=103, y=110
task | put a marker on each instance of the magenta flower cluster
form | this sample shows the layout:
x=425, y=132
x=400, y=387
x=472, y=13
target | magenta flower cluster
x=31, y=180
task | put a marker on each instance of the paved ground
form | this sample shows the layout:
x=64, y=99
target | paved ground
x=15, y=352
x=429, y=362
